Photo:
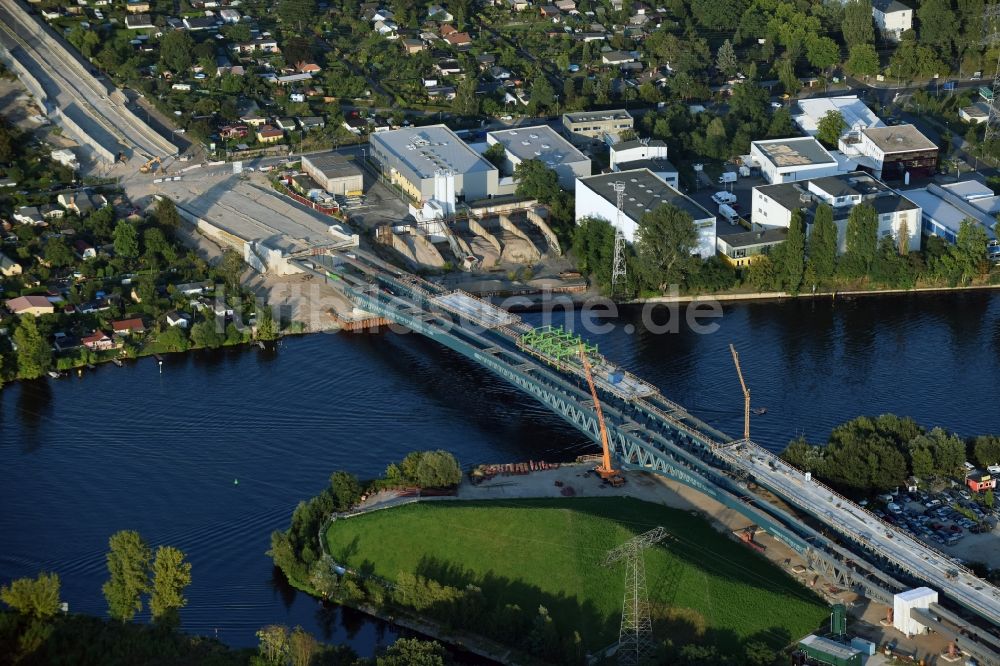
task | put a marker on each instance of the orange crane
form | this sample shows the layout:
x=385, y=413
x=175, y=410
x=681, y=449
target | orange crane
x=150, y=165
x=746, y=395
x=605, y=470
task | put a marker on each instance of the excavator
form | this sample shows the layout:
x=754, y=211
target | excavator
x=604, y=470
x=150, y=165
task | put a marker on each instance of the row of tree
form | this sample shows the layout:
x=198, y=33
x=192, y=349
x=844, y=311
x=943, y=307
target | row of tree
x=298, y=552
x=867, y=455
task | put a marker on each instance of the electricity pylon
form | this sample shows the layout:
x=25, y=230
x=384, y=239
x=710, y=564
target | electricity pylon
x=991, y=28
x=635, y=640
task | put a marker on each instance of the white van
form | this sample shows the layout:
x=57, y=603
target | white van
x=727, y=211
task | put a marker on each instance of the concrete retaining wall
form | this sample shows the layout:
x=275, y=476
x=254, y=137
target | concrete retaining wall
x=27, y=78
x=100, y=150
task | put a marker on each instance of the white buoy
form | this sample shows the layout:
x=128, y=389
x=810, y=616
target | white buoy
x=160, y=363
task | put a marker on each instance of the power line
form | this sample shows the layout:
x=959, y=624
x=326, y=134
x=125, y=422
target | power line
x=635, y=638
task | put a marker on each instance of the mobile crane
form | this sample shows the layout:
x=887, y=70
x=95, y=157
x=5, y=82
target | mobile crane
x=604, y=470
x=746, y=395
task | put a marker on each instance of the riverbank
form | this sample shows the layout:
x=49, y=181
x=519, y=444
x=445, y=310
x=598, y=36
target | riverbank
x=832, y=295
x=525, y=517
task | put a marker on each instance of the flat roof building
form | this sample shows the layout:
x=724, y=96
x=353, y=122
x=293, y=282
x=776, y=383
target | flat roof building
x=586, y=125
x=644, y=154
x=774, y=205
x=789, y=160
x=542, y=143
x=826, y=651
x=643, y=192
x=411, y=157
x=741, y=248
x=899, y=152
x=337, y=174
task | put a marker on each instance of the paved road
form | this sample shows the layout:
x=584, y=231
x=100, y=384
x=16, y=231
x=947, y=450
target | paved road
x=71, y=88
x=922, y=561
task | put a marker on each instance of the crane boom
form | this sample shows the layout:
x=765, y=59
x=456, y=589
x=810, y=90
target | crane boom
x=746, y=394
x=605, y=470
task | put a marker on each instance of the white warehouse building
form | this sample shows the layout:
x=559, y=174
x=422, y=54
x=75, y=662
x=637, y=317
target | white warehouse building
x=644, y=154
x=789, y=160
x=411, y=158
x=643, y=193
x=542, y=143
x=773, y=205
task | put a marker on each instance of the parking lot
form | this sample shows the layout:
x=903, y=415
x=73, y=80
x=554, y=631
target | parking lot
x=951, y=521
x=742, y=189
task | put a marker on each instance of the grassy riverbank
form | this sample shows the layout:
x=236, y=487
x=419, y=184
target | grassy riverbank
x=703, y=587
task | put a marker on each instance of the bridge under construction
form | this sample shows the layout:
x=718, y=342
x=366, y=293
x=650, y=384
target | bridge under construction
x=646, y=431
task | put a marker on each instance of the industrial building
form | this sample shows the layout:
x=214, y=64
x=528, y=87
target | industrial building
x=945, y=207
x=790, y=160
x=589, y=125
x=644, y=154
x=541, y=143
x=336, y=174
x=642, y=192
x=773, y=205
x=855, y=113
x=409, y=158
x=899, y=152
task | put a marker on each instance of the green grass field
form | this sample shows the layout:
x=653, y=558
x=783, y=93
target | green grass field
x=549, y=552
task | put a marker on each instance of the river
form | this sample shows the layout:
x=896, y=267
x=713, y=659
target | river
x=213, y=453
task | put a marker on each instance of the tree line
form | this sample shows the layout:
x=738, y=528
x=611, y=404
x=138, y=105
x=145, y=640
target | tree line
x=298, y=552
x=872, y=454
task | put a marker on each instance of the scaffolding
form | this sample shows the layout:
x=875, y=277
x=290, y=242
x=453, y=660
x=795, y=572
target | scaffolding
x=555, y=344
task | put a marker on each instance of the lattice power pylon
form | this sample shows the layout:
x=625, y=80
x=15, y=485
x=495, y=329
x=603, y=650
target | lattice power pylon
x=991, y=30
x=618, y=263
x=636, y=644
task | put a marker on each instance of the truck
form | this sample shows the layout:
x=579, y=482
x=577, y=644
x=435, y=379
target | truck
x=727, y=211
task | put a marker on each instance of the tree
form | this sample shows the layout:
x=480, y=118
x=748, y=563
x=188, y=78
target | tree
x=466, y=101
x=665, y=242
x=274, y=646
x=761, y=273
x=862, y=241
x=786, y=74
x=171, y=576
x=205, y=334
x=412, y=652
x=166, y=214
x=230, y=268
x=496, y=155
x=822, y=52
x=789, y=257
x=862, y=61
x=725, y=59
x=177, y=50
x=537, y=181
x=542, y=94
x=267, y=328
x=346, y=490
x=830, y=128
x=34, y=597
x=857, y=25
x=128, y=563
x=938, y=26
x=969, y=250
x=823, y=244
x=781, y=125
x=174, y=339
x=126, y=240
x=34, y=355
x=759, y=653
x=302, y=647
x=297, y=13
x=57, y=252
x=986, y=449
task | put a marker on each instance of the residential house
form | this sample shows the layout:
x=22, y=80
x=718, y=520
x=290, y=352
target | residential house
x=34, y=305
x=28, y=215
x=892, y=18
x=233, y=131
x=448, y=67
x=439, y=13
x=412, y=46
x=548, y=11
x=355, y=125
x=65, y=157
x=84, y=249
x=310, y=67
x=98, y=341
x=387, y=29
x=192, y=288
x=253, y=119
x=124, y=327
x=311, y=122
x=137, y=7
x=287, y=124
x=519, y=5
x=64, y=343
x=229, y=15
x=180, y=319
x=201, y=23
x=567, y=6
x=262, y=44
x=293, y=78
x=139, y=22
x=51, y=212
x=9, y=267
x=618, y=57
